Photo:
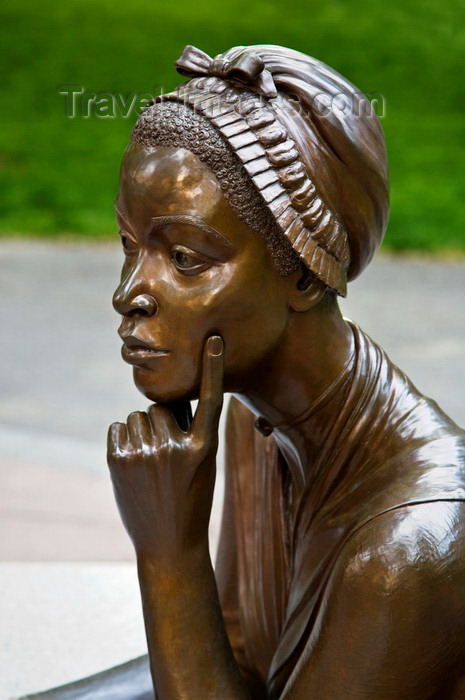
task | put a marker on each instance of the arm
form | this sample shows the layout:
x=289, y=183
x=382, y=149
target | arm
x=163, y=480
x=393, y=618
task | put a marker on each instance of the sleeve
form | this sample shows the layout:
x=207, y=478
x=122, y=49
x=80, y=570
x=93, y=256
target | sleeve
x=237, y=448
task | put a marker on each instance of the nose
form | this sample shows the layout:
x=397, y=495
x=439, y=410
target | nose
x=130, y=298
x=141, y=304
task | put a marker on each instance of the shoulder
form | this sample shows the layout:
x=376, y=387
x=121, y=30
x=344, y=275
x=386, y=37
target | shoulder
x=421, y=544
x=392, y=618
x=404, y=572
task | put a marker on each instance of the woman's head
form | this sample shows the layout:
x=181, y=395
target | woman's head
x=297, y=150
x=216, y=178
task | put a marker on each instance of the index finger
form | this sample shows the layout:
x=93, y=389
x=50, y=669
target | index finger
x=210, y=403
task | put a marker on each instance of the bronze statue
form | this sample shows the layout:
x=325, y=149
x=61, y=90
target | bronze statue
x=248, y=198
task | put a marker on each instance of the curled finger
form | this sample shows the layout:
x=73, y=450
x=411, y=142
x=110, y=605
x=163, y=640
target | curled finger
x=162, y=422
x=117, y=441
x=139, y=430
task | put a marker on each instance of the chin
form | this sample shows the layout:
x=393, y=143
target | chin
x=162, y=392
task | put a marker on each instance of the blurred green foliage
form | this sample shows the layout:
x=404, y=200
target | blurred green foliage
x=59, y=175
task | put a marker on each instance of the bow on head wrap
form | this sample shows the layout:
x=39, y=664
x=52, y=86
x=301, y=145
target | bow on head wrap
x=313, y=148
x=246, y=69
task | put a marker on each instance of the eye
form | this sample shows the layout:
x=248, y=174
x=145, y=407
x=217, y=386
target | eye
x=183, y=260
x=128, y=242
x=187, y=262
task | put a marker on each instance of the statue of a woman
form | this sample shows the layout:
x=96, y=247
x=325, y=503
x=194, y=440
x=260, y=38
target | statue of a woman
x=247, y=199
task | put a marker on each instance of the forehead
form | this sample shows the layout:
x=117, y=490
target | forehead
x=160, y=182
x=167, y=181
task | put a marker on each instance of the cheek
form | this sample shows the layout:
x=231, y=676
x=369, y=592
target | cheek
x=251, y=321
x=252, y=338
x=247, y=309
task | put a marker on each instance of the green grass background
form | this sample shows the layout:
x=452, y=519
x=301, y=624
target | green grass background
x=59, y=175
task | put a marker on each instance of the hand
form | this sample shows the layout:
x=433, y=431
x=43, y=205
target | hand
x=164, y=477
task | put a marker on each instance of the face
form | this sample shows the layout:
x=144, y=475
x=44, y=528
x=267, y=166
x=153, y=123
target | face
x=191, y=269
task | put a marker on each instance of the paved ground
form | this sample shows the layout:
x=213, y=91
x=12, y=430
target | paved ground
x=63, y=621
x=63, y=382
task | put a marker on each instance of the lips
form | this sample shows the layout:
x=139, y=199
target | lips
x=136, y=352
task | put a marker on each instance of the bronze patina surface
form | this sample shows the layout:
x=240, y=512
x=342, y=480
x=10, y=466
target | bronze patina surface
x=341, y=565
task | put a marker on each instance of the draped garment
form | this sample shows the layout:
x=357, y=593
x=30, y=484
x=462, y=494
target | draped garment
x=388, y=447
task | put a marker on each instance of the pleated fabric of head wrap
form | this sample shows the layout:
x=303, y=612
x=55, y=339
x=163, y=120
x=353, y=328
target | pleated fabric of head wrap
x=311, y=144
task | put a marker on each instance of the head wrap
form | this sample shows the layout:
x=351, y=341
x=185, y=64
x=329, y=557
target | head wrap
x=309, y=141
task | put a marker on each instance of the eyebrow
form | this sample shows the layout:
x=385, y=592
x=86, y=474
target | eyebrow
x=120, y=217
x=188, y=220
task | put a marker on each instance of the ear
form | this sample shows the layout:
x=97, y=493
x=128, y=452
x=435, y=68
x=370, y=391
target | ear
x=306, y=292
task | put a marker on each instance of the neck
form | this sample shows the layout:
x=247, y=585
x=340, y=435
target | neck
x=294, y=390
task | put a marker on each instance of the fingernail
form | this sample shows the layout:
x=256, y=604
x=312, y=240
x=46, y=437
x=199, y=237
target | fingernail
x=215, y=345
